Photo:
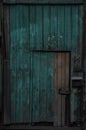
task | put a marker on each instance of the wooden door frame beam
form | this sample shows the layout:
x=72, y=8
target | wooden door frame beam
x=42, y=1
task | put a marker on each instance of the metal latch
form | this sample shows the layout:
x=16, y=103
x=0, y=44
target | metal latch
x=63, y=92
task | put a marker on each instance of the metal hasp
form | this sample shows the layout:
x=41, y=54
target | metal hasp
x=63, y=92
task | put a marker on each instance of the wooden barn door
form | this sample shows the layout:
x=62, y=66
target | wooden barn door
x=50, y=88
x=62, y=103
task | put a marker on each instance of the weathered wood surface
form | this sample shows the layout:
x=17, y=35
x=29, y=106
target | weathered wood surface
x=47, y=29
x=61, y=83
x=43, y=1
x=6, y=67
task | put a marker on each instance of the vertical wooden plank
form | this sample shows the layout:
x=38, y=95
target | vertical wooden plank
x=43, y=87
x=32, y=46
x=58, y=86
x=33, y=27
x=6, y=67
x=13, y=62
x=56, y=27
x=74, y=50
x=21, y=39
x=40, y=89
x=25, y=65
x=36, y=72
x=12, y=66
x=47, y=45
x=59, y=45
x=45, y=84
x=72, y=107
x=52, y=26
x=67, y=87
x=39, y=28
x=80, y=26
x=67, y=28
x=14, y=54
x=67, y=71
x=56, y=91
x=61, y=27
x=19, y=66
x=31, y=89
x=50, y=87
x=46, y=27
x=36, y=68
x=59, y=67
x=63, y=80
x=75, y=31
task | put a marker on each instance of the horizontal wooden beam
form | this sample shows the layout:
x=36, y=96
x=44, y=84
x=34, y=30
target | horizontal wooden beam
x=43, y=1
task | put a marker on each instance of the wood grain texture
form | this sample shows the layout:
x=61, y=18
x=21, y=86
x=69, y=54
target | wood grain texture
x=56, y=91
x=40, y=28
x=63, y=80
x=61, y=74
x=57, y=87
x=6, y=57
x=43, y=2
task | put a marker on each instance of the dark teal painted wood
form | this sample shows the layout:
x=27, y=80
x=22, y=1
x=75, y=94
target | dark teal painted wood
x=61, y=28
x=80, y=37
x=75, y=28
x=46, y=36
x=36, y=87
x=13, y=68
x=43, y=67
x=67, y=27
x=77, y=25
x=43, y=2
x=50, y=89
x=20, y=67
x=39, y=28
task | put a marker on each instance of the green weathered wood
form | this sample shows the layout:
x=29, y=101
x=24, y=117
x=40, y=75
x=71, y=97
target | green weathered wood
x=42, y=88
x=50, y=89
x=46, y=27
x=60, y=27
x=26, y=68
x=33, y=28
x=74, y=34
x=39, y=28
x=36, y=87
x=52, y=26
x=54, y=23
x=67, y=27
x=43, y=1
x=19, y=64
x=12, y=66
x=76, y=50
x=80, y=34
